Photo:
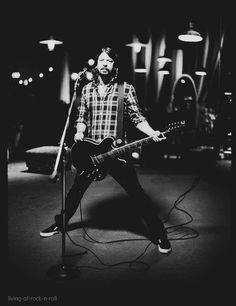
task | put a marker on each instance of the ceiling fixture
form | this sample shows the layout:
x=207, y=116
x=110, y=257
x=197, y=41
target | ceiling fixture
x=165, y=70
x=140, y=66
x=190, y=35
x=136, y=44
x=51, y=43
x=201, y=71
x=164, y=59
x=140, y=70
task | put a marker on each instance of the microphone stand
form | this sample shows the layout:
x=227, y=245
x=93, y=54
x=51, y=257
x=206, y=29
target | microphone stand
x=63, y=271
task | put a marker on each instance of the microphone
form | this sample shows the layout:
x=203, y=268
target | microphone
x=82, y=73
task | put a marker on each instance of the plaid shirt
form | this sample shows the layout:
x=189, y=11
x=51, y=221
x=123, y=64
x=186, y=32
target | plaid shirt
x=99, y=113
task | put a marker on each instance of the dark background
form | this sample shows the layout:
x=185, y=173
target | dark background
x=84, y=28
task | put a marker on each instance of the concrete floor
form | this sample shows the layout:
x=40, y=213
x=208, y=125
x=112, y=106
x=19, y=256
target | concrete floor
x=116, y=262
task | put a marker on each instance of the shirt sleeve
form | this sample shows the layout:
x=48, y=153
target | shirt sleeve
x=133, y=108
x=82, y=109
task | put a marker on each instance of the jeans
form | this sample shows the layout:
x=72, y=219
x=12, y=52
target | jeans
x=125, y=175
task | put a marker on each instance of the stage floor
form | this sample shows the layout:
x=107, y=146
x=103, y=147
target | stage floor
x=105, y=241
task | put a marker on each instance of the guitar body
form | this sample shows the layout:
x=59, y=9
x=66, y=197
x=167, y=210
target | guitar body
x=85, y=157
x=93, y=159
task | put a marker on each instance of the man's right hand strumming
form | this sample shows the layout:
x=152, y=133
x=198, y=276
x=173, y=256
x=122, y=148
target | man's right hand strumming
x=79, y=136
x=80, y=129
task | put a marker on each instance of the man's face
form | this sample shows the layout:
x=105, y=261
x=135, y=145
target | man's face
x=105, y=64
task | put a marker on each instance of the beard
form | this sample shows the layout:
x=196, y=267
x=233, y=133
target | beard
x=104, y=72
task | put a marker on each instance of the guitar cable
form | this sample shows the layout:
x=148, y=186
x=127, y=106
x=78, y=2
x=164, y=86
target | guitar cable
x=182, y=225
x=170, y=230
x=135, y=261
x=107, y=266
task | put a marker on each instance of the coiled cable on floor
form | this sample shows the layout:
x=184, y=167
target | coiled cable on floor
x=135, y=262
x=131, y=263
x=170, y=230
x=173, y=228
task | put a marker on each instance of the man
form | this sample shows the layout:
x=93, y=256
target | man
x=97, y=119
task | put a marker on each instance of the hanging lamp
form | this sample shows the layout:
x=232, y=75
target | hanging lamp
x=190, y=35
x=51, y=42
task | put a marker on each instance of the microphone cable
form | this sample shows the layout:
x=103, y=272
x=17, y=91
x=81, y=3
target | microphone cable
x=131, y=263
x=136, y=261
x=173, y=228
x=108, y=266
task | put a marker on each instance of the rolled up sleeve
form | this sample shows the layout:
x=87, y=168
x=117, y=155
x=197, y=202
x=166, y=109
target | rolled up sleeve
x=82, y=110
x=133, y=108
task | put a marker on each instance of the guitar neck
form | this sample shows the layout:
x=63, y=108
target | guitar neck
x=136, y=144
x=129, y=147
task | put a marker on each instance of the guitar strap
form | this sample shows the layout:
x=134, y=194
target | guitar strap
x=120, y=113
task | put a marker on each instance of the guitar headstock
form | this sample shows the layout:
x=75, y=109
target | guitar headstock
x=176, y=125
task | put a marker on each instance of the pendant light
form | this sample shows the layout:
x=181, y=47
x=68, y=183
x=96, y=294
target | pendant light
x=51, y=43
x=190, y=35
x=165, y=70
x=136, y=45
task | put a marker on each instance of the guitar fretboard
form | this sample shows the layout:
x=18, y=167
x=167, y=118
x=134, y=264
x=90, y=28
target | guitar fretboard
x=136, y=144
x=128, y=148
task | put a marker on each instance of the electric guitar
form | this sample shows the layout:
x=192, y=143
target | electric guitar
x=92, y=158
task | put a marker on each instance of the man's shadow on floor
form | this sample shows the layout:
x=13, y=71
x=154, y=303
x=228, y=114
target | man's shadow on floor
x=116, y=213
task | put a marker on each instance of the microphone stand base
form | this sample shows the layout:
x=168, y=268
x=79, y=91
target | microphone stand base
x=63, y=272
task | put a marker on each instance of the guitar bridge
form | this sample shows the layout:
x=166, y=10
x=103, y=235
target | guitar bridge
x=94, y=160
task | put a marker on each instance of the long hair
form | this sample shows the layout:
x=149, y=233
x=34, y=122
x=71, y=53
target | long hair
x=112, y=54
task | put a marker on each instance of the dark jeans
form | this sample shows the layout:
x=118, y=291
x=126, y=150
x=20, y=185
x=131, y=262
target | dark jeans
x=126, y=176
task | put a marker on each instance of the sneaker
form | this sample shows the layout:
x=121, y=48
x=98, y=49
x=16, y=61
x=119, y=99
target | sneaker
x=164, y=245
x=51, y=230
